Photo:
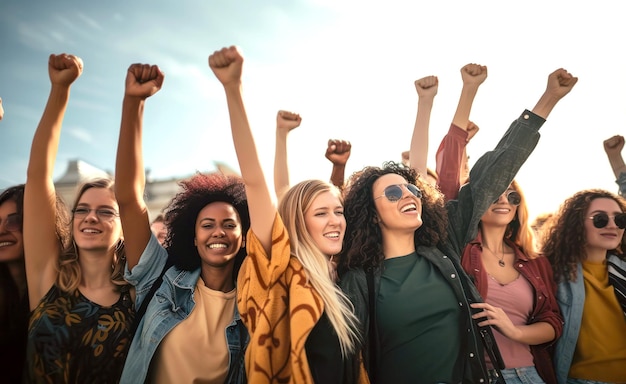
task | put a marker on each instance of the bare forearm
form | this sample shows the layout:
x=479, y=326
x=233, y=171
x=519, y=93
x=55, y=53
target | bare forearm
x=464, y=107
x=281, y=166
x=129, y=167
x=536, y=333
x=46, y=139
x=337, y=175
x=418, y=154
x=617, y=164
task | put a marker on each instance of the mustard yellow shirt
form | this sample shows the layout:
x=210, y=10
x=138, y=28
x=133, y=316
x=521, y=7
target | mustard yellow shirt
x=600, y=353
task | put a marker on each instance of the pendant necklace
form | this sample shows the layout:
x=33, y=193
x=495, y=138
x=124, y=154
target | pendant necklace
x=500, y=259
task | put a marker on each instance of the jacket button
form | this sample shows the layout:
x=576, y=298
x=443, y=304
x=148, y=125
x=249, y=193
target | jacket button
x=471, y=354
x=453, y=275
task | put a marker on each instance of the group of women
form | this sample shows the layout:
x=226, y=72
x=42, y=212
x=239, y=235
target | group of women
x=384, y=282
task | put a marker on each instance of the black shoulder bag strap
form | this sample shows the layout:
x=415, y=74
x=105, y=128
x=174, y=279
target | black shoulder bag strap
x=144, y=304
x=373, y=335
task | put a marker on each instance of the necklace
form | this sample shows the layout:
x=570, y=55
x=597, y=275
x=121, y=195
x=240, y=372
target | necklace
x=500, y=259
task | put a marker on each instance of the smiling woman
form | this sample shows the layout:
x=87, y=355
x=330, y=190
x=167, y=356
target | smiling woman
x=193, y=314
x=76, y=287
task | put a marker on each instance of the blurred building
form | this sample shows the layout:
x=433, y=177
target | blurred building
x=158, y=193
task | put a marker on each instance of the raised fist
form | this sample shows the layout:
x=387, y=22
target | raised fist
x=427, y=86
x=614, y=145
x=143, y=80
x=63, y=69
x=227, y=64
x=287, y=120
x=338, y=151
x=473, y=74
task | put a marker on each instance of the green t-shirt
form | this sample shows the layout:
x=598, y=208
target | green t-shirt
x=418, y=323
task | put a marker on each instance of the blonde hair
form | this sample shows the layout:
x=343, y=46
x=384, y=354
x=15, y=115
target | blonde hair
x=340, y=311
x=519, y=230
x=70, y=274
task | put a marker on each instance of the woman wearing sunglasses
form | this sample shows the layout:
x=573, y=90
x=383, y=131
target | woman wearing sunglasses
x=518, y=288
x=400, y=264
x=585, y=244
x=81, y=305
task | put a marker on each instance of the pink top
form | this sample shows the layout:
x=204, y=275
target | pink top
x=516, y=300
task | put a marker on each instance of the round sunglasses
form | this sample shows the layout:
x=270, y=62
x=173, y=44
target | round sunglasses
x=513, y=197
x=601, y=220
x=394, y=192
x=13, y=223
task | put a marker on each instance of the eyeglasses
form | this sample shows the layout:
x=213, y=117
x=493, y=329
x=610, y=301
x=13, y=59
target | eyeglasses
x=394, y=192
x=13, y=223
x=601, y=220
x=103, y=214
x=513, y=197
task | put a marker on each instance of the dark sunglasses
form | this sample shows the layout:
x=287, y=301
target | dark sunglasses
x=13, y=223
x=513, y=198
x=394, y=192
x=601, y=220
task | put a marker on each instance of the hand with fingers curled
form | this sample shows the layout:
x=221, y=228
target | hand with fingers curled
x=143, y=80
x=560, y=82
x=227, y=65
x=63, y=69
x=474, y=74
x=472, y=129
x=287, y=121
x=614, y=145
x=497, y=318
x=338, y=151
x=427, y=86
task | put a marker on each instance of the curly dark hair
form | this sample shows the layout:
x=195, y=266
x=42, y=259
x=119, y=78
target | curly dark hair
x=180, y=216
x=16, y=194
x=565, y=237
x=363, y=243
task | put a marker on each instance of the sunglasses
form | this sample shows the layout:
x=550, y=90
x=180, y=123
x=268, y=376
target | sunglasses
x=13, y=223
x=103, y=214
x=513, y=197
x=601, y=220
x=394, y=192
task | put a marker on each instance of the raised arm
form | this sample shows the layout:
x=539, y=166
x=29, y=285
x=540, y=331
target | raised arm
x=142, y=81
x=473, y=76
x=41, y=246
x=613, y=148
x=338, y=153
x=426, y=91
x=560, y=82
x=285, y=122
x=493, y=172
x=452, y=154
x=227, y=65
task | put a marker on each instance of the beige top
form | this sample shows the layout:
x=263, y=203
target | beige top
x=196, y=351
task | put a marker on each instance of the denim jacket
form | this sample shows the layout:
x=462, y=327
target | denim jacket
x=171, y=304
x=571, y=298
x=490, y=177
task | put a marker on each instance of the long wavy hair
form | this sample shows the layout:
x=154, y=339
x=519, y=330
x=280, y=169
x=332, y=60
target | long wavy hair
x=70, y=273
x=363, y=243
x=519, y=230
x=181, y=214
x=292, y=209
x=565, y=237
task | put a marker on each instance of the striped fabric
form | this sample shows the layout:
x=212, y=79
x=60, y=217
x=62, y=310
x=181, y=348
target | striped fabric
x=617, y=278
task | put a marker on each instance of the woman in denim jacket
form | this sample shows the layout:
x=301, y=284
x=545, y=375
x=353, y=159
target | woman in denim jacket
x=399, y=233
x=585, y=244
x=191, y=330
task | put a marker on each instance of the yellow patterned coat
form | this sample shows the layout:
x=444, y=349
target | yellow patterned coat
x=279, y=309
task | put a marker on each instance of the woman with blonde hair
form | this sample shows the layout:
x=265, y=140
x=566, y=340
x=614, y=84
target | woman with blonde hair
x=81, y=305
x=302, y=329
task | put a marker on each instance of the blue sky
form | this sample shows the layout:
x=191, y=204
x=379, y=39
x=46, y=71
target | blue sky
x=346, y=66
